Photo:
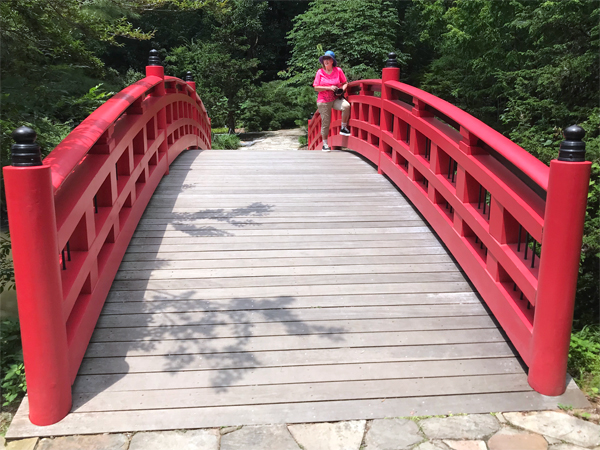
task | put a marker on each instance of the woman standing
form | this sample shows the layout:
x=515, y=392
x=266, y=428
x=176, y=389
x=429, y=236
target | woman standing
x=329, y=79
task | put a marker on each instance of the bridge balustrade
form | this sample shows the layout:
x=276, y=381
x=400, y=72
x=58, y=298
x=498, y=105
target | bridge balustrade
x=72, y=217
x=513, y=224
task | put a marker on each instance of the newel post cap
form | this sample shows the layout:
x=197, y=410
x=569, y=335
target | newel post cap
x=392, y=61
x=154, y=59
x=25, y=152
x=189, y=76
x=572, y=149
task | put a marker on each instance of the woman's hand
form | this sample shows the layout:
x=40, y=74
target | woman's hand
x=333, y=88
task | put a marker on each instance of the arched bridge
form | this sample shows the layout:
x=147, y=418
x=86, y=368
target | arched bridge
x=431, y=270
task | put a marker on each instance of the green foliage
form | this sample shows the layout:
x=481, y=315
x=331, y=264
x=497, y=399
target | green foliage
x=225, y=142
x=565, y=407
x=303, y=141
x=51, y=113
x=12, y=372
x=584, y=359
x=528, y=69
x=7, y=271
x=360, y=32
x=68, y=31
x=273, y=106
x=223, y=66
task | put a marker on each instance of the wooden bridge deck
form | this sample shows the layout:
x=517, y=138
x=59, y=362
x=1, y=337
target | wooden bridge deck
x=267, y=287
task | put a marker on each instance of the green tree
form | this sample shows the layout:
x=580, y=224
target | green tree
x=38, y=31
x=527, y=69
x=360, y=32
x=225, y=67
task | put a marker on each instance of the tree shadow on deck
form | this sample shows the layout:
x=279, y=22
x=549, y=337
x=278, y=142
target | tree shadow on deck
x=181, y=338
x=218, y=343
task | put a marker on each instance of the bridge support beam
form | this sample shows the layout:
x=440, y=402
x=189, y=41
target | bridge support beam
x=559, y=267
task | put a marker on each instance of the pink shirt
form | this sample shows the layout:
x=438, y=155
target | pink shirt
x=335, y=78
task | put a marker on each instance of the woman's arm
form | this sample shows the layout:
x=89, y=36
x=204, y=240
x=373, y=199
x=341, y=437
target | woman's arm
x=325, y=88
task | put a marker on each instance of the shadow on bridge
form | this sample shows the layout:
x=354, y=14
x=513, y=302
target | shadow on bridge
x=145, y=331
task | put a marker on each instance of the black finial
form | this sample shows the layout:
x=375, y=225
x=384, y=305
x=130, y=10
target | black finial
x=310, y=116
x=572, y=148
x=154, y=59
x=25, y=152
x=392, y=62
x=189, y=76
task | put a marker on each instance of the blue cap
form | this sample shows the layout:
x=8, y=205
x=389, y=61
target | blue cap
x=331, y=55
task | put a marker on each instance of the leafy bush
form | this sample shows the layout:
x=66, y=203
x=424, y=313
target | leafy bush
x=7, y=271
x=274, y=105
x=303, y=141
x=225, y=142
x=12, y=371
x=584, y=359
x=221, y=130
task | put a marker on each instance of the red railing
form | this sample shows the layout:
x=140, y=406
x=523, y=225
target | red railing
x=72, y=217
x=495, y=207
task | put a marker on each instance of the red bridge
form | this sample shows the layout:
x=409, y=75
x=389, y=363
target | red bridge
x=343, y=272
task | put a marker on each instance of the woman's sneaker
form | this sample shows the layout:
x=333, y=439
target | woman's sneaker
x=326, y=148
x=345, y=131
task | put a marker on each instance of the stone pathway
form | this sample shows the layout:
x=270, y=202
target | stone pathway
x=548, y=430
x=280, y=140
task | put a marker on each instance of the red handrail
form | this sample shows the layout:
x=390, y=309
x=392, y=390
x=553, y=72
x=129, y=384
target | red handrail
x=493, y=204
x=72, y=218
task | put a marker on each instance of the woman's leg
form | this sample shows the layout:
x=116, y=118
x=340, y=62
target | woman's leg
x=341, y=104
x=325, y=111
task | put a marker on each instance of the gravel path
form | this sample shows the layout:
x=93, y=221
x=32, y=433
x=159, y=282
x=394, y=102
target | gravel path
x=281, y=140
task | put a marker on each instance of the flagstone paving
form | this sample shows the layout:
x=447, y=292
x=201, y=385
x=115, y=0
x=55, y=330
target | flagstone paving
x=548, y=430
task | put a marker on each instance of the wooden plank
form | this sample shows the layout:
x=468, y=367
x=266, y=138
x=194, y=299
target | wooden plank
x=318, y=301
x=265, y=186
x=287, y=315
x=310, y=412
x=232, y=245
x=270, y=255
x=200, y=196
x=188, y=227
x=296, y=374
x=262, y=208
x=323, y=338
x=358, y=269
x=290, y=202
x=306, y=280
x=374, y=221
x=298, y=393
x=285, y=293
x=178, y=264
x=290, y=329
x=213, y=235
x=162, y=216
x=244, y=230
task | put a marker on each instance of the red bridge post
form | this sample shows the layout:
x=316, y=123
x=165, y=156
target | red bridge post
x=391, y=72
x=155, y=68
x=559, y=264
x=30, y=204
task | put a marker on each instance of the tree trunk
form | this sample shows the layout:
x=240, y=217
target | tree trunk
x=231, y=122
